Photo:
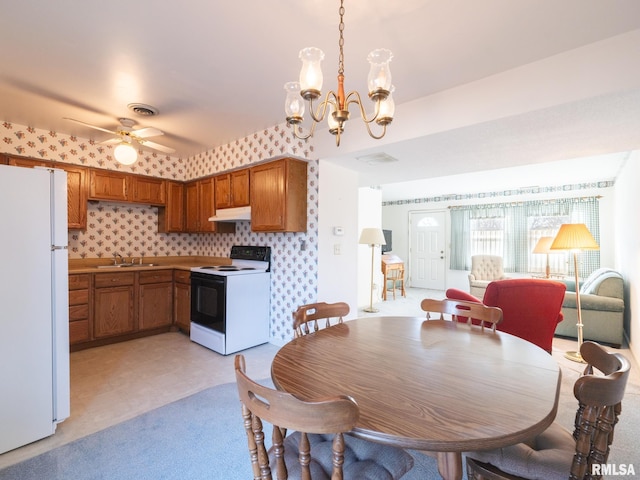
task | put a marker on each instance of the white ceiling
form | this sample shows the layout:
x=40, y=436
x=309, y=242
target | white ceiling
x=215, y=70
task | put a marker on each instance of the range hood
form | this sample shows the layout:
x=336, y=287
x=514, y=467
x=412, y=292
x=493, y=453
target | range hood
x=231, y=214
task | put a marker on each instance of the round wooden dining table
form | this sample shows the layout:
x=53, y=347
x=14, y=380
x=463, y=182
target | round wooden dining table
x=435, y=385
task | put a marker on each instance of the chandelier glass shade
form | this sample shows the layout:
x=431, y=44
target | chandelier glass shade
x=335, y=104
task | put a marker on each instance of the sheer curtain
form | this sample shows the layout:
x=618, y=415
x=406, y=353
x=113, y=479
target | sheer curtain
x=522, y=224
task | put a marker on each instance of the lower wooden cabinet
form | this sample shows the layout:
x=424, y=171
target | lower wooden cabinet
x=182, y=300
x=113, y=308
x=155, y=299
x=79, y=308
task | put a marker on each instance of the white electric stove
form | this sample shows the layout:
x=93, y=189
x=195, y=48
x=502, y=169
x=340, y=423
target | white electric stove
x=230, y=304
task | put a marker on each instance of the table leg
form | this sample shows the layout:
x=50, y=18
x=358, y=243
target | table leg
x=450, y=465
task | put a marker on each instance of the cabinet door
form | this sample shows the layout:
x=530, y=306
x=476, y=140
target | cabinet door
x=223, y=191
x=28, y=162
x=182, y=306
x=155, y=305
x=148, y=190
x=77, y=196
x=206, y=204
x=240, y=188
x=192, y=212
x=268, y=196
x=107, y=185
x=113, y=311
x=171, y=217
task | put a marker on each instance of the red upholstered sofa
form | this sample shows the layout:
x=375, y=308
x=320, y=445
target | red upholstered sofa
x=531, y=307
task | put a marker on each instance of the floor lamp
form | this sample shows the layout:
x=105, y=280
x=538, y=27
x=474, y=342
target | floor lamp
x=575, y=237
x=543, y=247
x=372, y=237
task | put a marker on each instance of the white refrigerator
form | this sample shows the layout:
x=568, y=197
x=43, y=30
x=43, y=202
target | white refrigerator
x=34, y=311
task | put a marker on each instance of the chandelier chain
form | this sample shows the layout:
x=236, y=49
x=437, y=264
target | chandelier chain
x=341, y=41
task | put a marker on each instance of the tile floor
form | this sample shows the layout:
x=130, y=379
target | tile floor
x=117, y=382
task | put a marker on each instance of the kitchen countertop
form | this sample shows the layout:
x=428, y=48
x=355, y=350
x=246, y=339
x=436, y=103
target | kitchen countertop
x=91, y=265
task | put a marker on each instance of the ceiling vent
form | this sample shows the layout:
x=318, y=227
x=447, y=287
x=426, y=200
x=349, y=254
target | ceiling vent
x=143, y=110
x=377, y=158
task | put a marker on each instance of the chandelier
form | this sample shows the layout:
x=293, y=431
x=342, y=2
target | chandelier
x=337, y=103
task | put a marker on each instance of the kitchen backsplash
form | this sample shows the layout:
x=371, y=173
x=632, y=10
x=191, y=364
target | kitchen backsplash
x=132, y=230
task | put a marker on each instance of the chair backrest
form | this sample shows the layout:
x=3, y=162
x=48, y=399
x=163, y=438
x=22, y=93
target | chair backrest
x=305, y=318
x=471, y=313
x=531, y=307
x=599, y=405
x=333, y=415
x=487, y=267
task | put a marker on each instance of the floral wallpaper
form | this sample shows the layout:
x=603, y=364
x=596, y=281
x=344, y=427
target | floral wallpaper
x=132, y=230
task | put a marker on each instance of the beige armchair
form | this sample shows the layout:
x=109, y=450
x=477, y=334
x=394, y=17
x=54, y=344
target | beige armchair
x=484, y=270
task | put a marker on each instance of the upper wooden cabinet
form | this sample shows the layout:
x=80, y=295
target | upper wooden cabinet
x=149, y=190
x=199, y=206
x=76, y=188
x=107, y=185
x=279, y=196
x=171, y=217
x=232, y=189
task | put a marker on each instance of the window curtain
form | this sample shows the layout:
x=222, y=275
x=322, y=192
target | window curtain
x=516, y=218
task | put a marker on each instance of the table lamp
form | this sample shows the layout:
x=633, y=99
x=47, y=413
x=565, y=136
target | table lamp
x=372, y=237
x=543, y=247
x=575, y=237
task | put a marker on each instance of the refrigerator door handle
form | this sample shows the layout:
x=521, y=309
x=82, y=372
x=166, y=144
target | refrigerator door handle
x=58, y=247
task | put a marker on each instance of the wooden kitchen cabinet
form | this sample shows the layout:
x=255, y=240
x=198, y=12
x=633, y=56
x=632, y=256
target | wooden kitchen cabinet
x=171, y=217
x=107, y=185
x=182, y=299
x=79, y=308
x=155, y=299
x=148, y=190
x=232, y=189
x=77, y=196
x=76, y=188
x=200, y=205
x=113, y=309
x=279, y=196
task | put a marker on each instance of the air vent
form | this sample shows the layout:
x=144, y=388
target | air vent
x=377, y=158
x=143, y=110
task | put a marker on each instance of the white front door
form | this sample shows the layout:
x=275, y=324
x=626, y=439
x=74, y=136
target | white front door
x=427, y=250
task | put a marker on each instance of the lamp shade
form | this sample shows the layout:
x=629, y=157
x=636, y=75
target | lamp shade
x=543, y=245
x=574, y=236
x=372, y=236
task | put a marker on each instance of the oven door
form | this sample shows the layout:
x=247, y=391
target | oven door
x=208, y=301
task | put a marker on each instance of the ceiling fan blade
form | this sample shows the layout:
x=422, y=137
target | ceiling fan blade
x=111, y=141
x=156, y=146
x=90, y=126
x=147, y=132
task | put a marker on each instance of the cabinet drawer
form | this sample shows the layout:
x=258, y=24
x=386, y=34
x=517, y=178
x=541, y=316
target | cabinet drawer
x=78, y=297
x=156, y=276
x=78, y=331
x=113, y=279
x=182, y=276
x=78, y=312
x=78, y=281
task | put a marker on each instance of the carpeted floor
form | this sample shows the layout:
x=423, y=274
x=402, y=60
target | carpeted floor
x=199, y=437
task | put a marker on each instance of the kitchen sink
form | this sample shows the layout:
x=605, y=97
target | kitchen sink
x=124, y=265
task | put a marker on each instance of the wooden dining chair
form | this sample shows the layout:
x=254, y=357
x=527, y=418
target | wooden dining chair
x=319, y=448
x=471, y=313
x=305, y=318
x=556, y=453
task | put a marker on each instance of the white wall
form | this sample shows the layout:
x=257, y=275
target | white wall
x=369, y=216
x=338, y=254
x=627, y=251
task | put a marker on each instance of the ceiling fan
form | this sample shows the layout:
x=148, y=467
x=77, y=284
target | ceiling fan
x=125, y=134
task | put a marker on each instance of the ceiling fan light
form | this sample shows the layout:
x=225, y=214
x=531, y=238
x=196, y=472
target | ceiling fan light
x=125, y=154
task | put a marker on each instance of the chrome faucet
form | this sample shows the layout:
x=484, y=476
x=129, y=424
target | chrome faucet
x=115, y=258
